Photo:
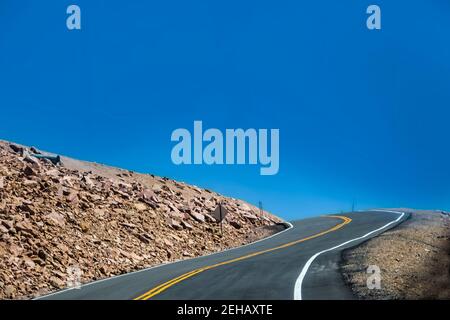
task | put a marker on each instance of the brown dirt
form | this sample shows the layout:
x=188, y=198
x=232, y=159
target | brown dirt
x=414, y=260
x=104, y=221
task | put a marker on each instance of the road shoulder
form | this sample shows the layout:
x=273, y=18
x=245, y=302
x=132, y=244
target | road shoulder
x=413, y=259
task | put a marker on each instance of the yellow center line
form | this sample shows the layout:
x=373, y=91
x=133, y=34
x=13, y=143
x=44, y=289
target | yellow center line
x=164, y=286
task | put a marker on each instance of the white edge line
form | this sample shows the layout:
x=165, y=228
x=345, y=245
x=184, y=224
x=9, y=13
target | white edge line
x=299, y=282
x=290, y=226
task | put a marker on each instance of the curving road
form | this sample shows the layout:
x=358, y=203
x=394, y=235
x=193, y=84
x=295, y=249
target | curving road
x=299, y=263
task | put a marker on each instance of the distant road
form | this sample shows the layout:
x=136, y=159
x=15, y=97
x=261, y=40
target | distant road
x=298, y=263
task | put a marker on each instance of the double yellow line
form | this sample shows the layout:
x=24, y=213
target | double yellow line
x=164, y=286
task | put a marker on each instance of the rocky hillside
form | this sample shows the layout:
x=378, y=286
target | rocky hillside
x=103, y=221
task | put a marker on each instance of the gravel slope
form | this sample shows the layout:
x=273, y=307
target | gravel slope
x=414, y=260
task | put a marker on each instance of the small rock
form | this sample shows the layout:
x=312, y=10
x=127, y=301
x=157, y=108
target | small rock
x=185, y=209
x=57, y=282
x=3, y=229
x=24, y=226
x=52, y=172
x=250, y=217
x=7, y=223
x=30, y=159
x=168, y=243
x=10, y=291
x=16, y=148
x=104, y=270
x=34, y=150
x=187, y=225
x=177, y=214
x=209, y=218
x=15, y=250
x=28, y=171
x=29, y=263
x=27, y=208
x=187, y=254
x=172, y=207
x=55, y=218
x=128, y=225
x=175, y=224
x=235, y=224
x=143, y=238
x=41, y=254
x=30, y=183
x=73, y=197
x=156, y=188
x=198, y=216
x=139, y=206
x=84, y=226
x=88, y=182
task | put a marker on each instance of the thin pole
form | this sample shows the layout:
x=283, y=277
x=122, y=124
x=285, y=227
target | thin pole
x=221, y=219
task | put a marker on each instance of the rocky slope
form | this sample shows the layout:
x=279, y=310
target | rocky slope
x=104, y=221
x=414, y=260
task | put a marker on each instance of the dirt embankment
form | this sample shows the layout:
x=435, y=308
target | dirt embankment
x=104, y=221
x=414, y=260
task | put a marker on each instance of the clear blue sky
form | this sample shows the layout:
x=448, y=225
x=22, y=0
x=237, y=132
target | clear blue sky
x=362, y=114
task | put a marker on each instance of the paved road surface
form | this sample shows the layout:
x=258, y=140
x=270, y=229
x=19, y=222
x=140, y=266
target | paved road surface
x=298, y=263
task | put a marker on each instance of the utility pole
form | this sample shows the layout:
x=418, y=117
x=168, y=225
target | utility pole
x=221, y=219
x=353, y=205
x=261, y=208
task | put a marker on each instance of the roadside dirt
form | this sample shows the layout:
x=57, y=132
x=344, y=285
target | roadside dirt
x=414, y=260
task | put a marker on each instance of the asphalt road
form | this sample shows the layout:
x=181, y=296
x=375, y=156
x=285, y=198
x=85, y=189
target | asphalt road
x=298, y=263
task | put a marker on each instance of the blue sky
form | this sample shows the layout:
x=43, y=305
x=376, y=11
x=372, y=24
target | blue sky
x=362, y=114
